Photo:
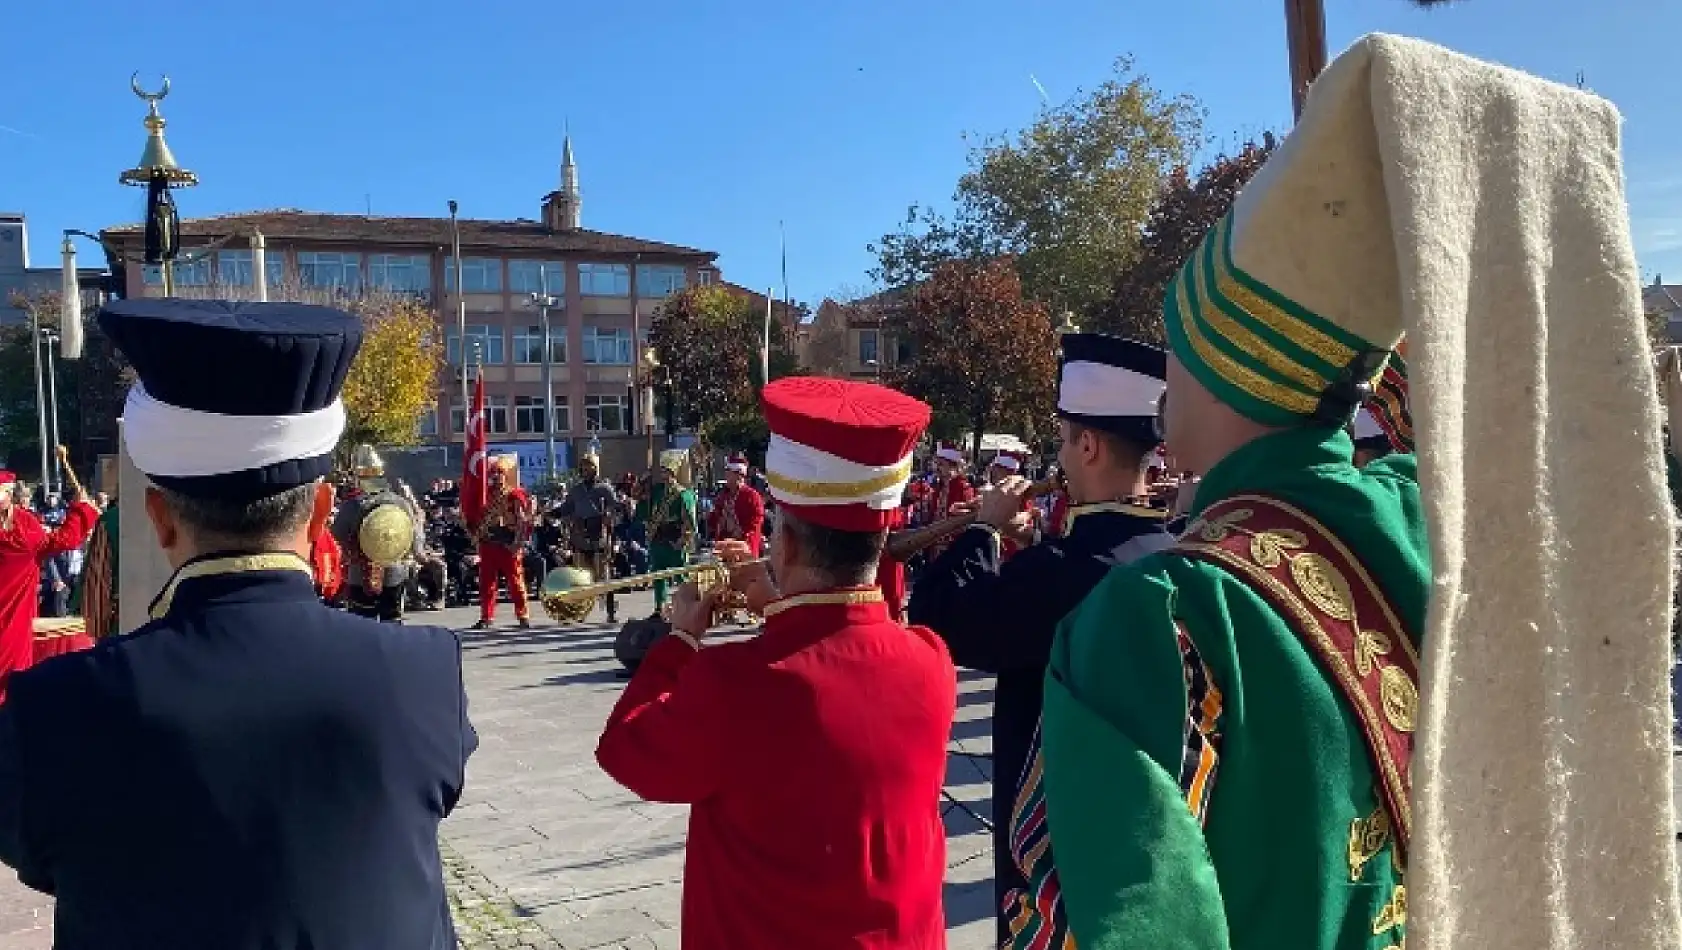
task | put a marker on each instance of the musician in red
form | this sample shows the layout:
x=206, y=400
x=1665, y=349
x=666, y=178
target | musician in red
x=24, y=543
x=327, y=562
x=502, y=534
x=1006, y=465
x=738, y=512
x=951, y=488
x=812, y=755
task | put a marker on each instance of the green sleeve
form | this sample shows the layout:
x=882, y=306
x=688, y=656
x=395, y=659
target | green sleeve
x=689, y=511
x=1131, y=858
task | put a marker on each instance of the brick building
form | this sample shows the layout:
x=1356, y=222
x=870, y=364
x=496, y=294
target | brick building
x=607, y=287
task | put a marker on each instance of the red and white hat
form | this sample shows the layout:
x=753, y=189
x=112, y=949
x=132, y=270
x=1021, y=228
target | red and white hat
x=737, y=463
x=840, y=452
x=950, y=453
x=7, y=480
x=1007, y=461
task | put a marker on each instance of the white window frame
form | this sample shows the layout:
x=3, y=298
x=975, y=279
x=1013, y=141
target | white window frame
x=527, y=339
x=661, y=280
x=345, y=266
x=594, y=403
x=620, y=342
x=492, y=341
x=593, y=276
x=416, y=268
x=523, y=276
x=482, y=275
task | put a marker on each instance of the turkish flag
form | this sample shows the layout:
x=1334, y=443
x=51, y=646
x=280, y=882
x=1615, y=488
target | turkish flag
x=474, y=487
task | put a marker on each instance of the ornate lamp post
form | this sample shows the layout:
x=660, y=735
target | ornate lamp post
x=158, y=172
x=646, y=374
x=543, y=300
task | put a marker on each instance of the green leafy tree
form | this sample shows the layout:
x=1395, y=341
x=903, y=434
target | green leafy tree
x=1066, y=197
x=707, y=340
x=979, y=350
x=1183, y=212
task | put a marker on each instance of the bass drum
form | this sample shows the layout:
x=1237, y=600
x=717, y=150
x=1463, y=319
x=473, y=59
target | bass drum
x=637, y=638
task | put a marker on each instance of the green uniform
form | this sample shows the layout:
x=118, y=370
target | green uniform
x=667, y=504
x=1206, y=783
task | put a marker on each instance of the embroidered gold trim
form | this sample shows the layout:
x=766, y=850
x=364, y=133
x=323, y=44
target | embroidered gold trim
x=1399, y=697
x=218, y=566
x=1269, y=548
x=1279, y=321
x=1323, y=585
x=847, y=598
x=1367, y=838
x=1394, y=913
x=1243, y=338
x=1118, y=507
x=1235, y=373
x=859, y=489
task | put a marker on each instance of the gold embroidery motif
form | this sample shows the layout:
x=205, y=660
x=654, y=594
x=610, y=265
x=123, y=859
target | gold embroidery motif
x=1236, y=374
x=1399, y=697
x=1270, y=548
x=1323, y=585
x=1394, y=913
x=1369, y=646
x=1367, y=837
x=807, y=488
x=1287, y=325
x=1216, y=531
x=832, y=598
x=234, y=564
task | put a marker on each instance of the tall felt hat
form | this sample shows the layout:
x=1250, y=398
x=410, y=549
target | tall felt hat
x=737, y=463
x=1112, y=383
x=840, y=451
x=1481, y=212
x=948, y=452
x=234, y=400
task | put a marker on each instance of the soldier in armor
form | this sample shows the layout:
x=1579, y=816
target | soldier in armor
x=374, y=515
x=591, y=509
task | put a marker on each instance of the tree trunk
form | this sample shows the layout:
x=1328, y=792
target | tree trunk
x=982, y=414
x=1305, y=31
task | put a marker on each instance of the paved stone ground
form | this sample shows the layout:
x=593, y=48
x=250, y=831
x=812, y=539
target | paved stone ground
x=546, y=852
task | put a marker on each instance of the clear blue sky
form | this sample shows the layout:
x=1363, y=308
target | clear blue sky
x=702, y=123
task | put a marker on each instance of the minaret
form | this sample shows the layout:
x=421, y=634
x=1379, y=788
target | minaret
x=568, y=201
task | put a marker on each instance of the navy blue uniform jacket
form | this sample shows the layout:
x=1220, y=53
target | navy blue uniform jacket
x=1000, y=616
x=249, y=771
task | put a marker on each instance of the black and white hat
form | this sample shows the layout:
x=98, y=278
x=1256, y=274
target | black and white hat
x=1113, y=384
x=234, y=400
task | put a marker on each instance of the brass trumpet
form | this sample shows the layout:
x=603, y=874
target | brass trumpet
x=570, y=593
x=904, y=545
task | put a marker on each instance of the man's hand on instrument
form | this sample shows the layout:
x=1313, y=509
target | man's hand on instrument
x=961, y=508
x=753, y=581
x=692, y=611
x=1002, y=504
x=732, y=551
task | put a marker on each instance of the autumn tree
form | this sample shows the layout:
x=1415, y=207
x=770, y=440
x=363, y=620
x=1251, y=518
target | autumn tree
x=707, y=340
x=394, y=378
x=978, y=348
x=1184, y=211
x=1066, y=197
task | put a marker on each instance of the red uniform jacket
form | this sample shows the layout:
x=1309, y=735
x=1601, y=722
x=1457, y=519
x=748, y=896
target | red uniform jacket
x=328, y=563
x=813, y=755
x=22, y=546
x=738, y=514
x=890, y=574
x=953, y=491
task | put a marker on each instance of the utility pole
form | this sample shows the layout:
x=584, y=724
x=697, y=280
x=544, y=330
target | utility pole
x=1305, y=31
x=544, y=301
x=49, y=337
x=461, y=314
x=40, y=397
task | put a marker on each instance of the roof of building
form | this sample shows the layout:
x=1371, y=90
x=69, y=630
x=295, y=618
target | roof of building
x=293, y=225
x=1665, y=298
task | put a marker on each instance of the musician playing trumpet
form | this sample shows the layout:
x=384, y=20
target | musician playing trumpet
x=1000, y=616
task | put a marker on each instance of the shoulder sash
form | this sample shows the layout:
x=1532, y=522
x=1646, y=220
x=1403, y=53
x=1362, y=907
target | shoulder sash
x=1338, y=611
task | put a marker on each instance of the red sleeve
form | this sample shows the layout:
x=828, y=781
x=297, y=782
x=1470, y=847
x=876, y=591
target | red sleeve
x=965, y=492
x=78, y=524
x=665, y=740
x=750, y=511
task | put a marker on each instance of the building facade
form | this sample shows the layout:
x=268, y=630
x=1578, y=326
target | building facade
x=605, y=290
x=853, y=340
x=18, y=279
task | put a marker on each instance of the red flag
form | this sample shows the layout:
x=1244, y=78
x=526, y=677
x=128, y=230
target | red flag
x=474, y=487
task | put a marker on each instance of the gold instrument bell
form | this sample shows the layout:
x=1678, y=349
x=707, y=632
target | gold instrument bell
x=387, y=534
x=570, y=593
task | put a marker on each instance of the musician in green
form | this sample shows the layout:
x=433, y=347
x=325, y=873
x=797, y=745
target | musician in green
x=669, y=513
x=1224, y=754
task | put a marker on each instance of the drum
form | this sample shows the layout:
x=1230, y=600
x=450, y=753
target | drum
x=55, y=636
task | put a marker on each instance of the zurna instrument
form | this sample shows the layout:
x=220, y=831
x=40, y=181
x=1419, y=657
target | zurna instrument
x=904, y=545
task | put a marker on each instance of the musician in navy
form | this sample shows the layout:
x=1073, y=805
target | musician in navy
x=1000, y=616
x=249, y=769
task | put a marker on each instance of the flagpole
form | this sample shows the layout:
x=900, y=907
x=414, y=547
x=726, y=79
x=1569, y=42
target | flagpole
x=765, y=342
x=461, y=311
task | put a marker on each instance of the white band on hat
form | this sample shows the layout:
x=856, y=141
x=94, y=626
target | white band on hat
x=1366, y=427
x=949, y=454
x=802, y=475
x=1007, y=462
x=1100, y=389
x=187, y=443
x=740, y=468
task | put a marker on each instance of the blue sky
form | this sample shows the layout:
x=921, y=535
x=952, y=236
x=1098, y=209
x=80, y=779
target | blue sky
x=703, y=123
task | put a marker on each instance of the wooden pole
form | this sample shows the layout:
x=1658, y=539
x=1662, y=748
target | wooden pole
x=1305, y=31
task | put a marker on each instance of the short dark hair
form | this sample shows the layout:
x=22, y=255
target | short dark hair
x=260, y=520
x=842, y=558
x=1125, y=451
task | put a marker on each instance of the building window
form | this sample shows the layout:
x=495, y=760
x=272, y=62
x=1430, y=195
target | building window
x=605, y=414
x=604, y=280
x=488, y=338
x=480, y=275
x=660, y=280
x=707, y=277
x=496, y=416
x=428, y=427
x=233, y=268
x=528, y=414
x=151, y=275
x=404, y=273
x=330, y=269
x=867, y=347
x=607, y=346
x=533, y=277
x=193, y=270
x=528, y=345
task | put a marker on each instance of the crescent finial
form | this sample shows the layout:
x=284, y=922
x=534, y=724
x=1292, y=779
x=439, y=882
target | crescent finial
x=163, y=90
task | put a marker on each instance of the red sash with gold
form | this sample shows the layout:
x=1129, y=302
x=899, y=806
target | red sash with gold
x=1336, y=608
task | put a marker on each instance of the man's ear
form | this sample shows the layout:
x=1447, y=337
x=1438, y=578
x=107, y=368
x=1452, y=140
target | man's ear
x=322, y=509
x=164, y=526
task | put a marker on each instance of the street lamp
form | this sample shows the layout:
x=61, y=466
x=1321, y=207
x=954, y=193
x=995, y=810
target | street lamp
x=1067, y=327
x=49, y=336
x=543, y=300
x=650, y=366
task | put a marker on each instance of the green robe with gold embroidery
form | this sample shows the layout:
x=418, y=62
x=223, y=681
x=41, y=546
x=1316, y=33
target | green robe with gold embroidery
x=1275, y=848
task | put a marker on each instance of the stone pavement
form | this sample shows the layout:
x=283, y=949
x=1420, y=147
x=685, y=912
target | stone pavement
x=546, y=852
